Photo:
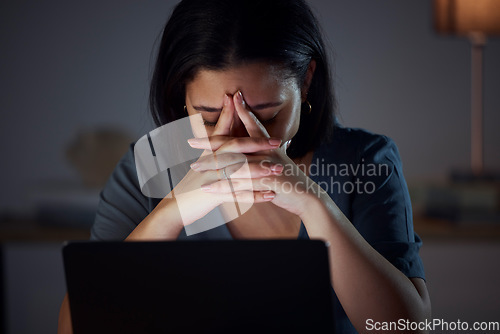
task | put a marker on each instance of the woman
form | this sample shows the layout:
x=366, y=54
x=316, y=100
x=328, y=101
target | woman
x=257, y=73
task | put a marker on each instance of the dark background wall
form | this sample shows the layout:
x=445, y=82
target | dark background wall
x=68, y=66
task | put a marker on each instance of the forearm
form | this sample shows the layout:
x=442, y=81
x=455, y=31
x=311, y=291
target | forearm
x=64, y=322
x=163, y=223
x=367, y=285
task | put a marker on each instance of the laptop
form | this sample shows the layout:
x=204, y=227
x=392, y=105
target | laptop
x=227, y=286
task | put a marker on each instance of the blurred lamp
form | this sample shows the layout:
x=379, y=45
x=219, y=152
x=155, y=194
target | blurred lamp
x=475, y=20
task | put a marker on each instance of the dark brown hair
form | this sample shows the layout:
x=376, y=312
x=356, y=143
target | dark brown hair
x=218, y=34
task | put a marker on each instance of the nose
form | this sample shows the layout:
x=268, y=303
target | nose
x=238, y=128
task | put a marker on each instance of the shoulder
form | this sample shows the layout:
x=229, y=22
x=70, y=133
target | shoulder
x=354, y=144
x=125, y=173
x=361, y=138
x=126, y=165
x=122, y=205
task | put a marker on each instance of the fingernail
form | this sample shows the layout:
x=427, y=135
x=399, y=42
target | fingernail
x=193, y=141
x=206, y=187
x=277, y=168
x=226, y=99
x=269, y=195
x=239, y=98
x=194, y=165
x=274, y=142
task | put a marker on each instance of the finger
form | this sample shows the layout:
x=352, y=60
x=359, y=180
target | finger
x=243, y=184
x=237, y=128
x=252, y=124
x=263, y=196
x=226, y=187
x=221, y=160
x=218, y=160
x=253, y=170
x=212, y=143
x=244, y=171
x=223, y=144
x=223, y=125
x=248, y=196
x=250, y=144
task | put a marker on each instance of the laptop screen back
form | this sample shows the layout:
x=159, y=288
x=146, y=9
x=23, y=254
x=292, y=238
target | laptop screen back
x=245, y=286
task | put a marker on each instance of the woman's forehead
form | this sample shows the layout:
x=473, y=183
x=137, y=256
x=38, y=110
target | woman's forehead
x=259, y=83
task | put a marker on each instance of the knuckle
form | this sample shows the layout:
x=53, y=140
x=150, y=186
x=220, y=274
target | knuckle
x=230, y=158
x=238, y=142
x=261, y=185
x=261, y=168
x=228, y=184
x=237, y=185
x=230, y=170
x=239, y=157
x=242, y=196
x=215, y=142
x=218, y=186
x=254, y=168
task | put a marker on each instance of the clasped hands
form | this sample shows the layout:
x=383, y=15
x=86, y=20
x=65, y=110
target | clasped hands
x=256, y=165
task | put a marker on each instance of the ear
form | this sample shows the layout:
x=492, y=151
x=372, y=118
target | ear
x=308, y=79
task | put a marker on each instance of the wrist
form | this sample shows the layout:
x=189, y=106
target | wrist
x=163, y=223
x=314, y=200
x=167, y=214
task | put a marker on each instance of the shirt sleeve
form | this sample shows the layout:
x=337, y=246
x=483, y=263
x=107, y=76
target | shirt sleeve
x=381, y=208
x=122, y=206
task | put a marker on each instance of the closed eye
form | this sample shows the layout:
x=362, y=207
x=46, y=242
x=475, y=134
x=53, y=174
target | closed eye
x=207, y=123
x=264, y=122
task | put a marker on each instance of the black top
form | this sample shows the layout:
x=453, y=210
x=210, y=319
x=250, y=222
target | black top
x=362, y=172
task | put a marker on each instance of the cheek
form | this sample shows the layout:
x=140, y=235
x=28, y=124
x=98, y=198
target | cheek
x=294, y=123
x=197, y=126
x=290, y=123
x=286, y=127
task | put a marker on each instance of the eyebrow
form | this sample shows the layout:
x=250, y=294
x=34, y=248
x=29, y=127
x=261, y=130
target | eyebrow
x=256, y=107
